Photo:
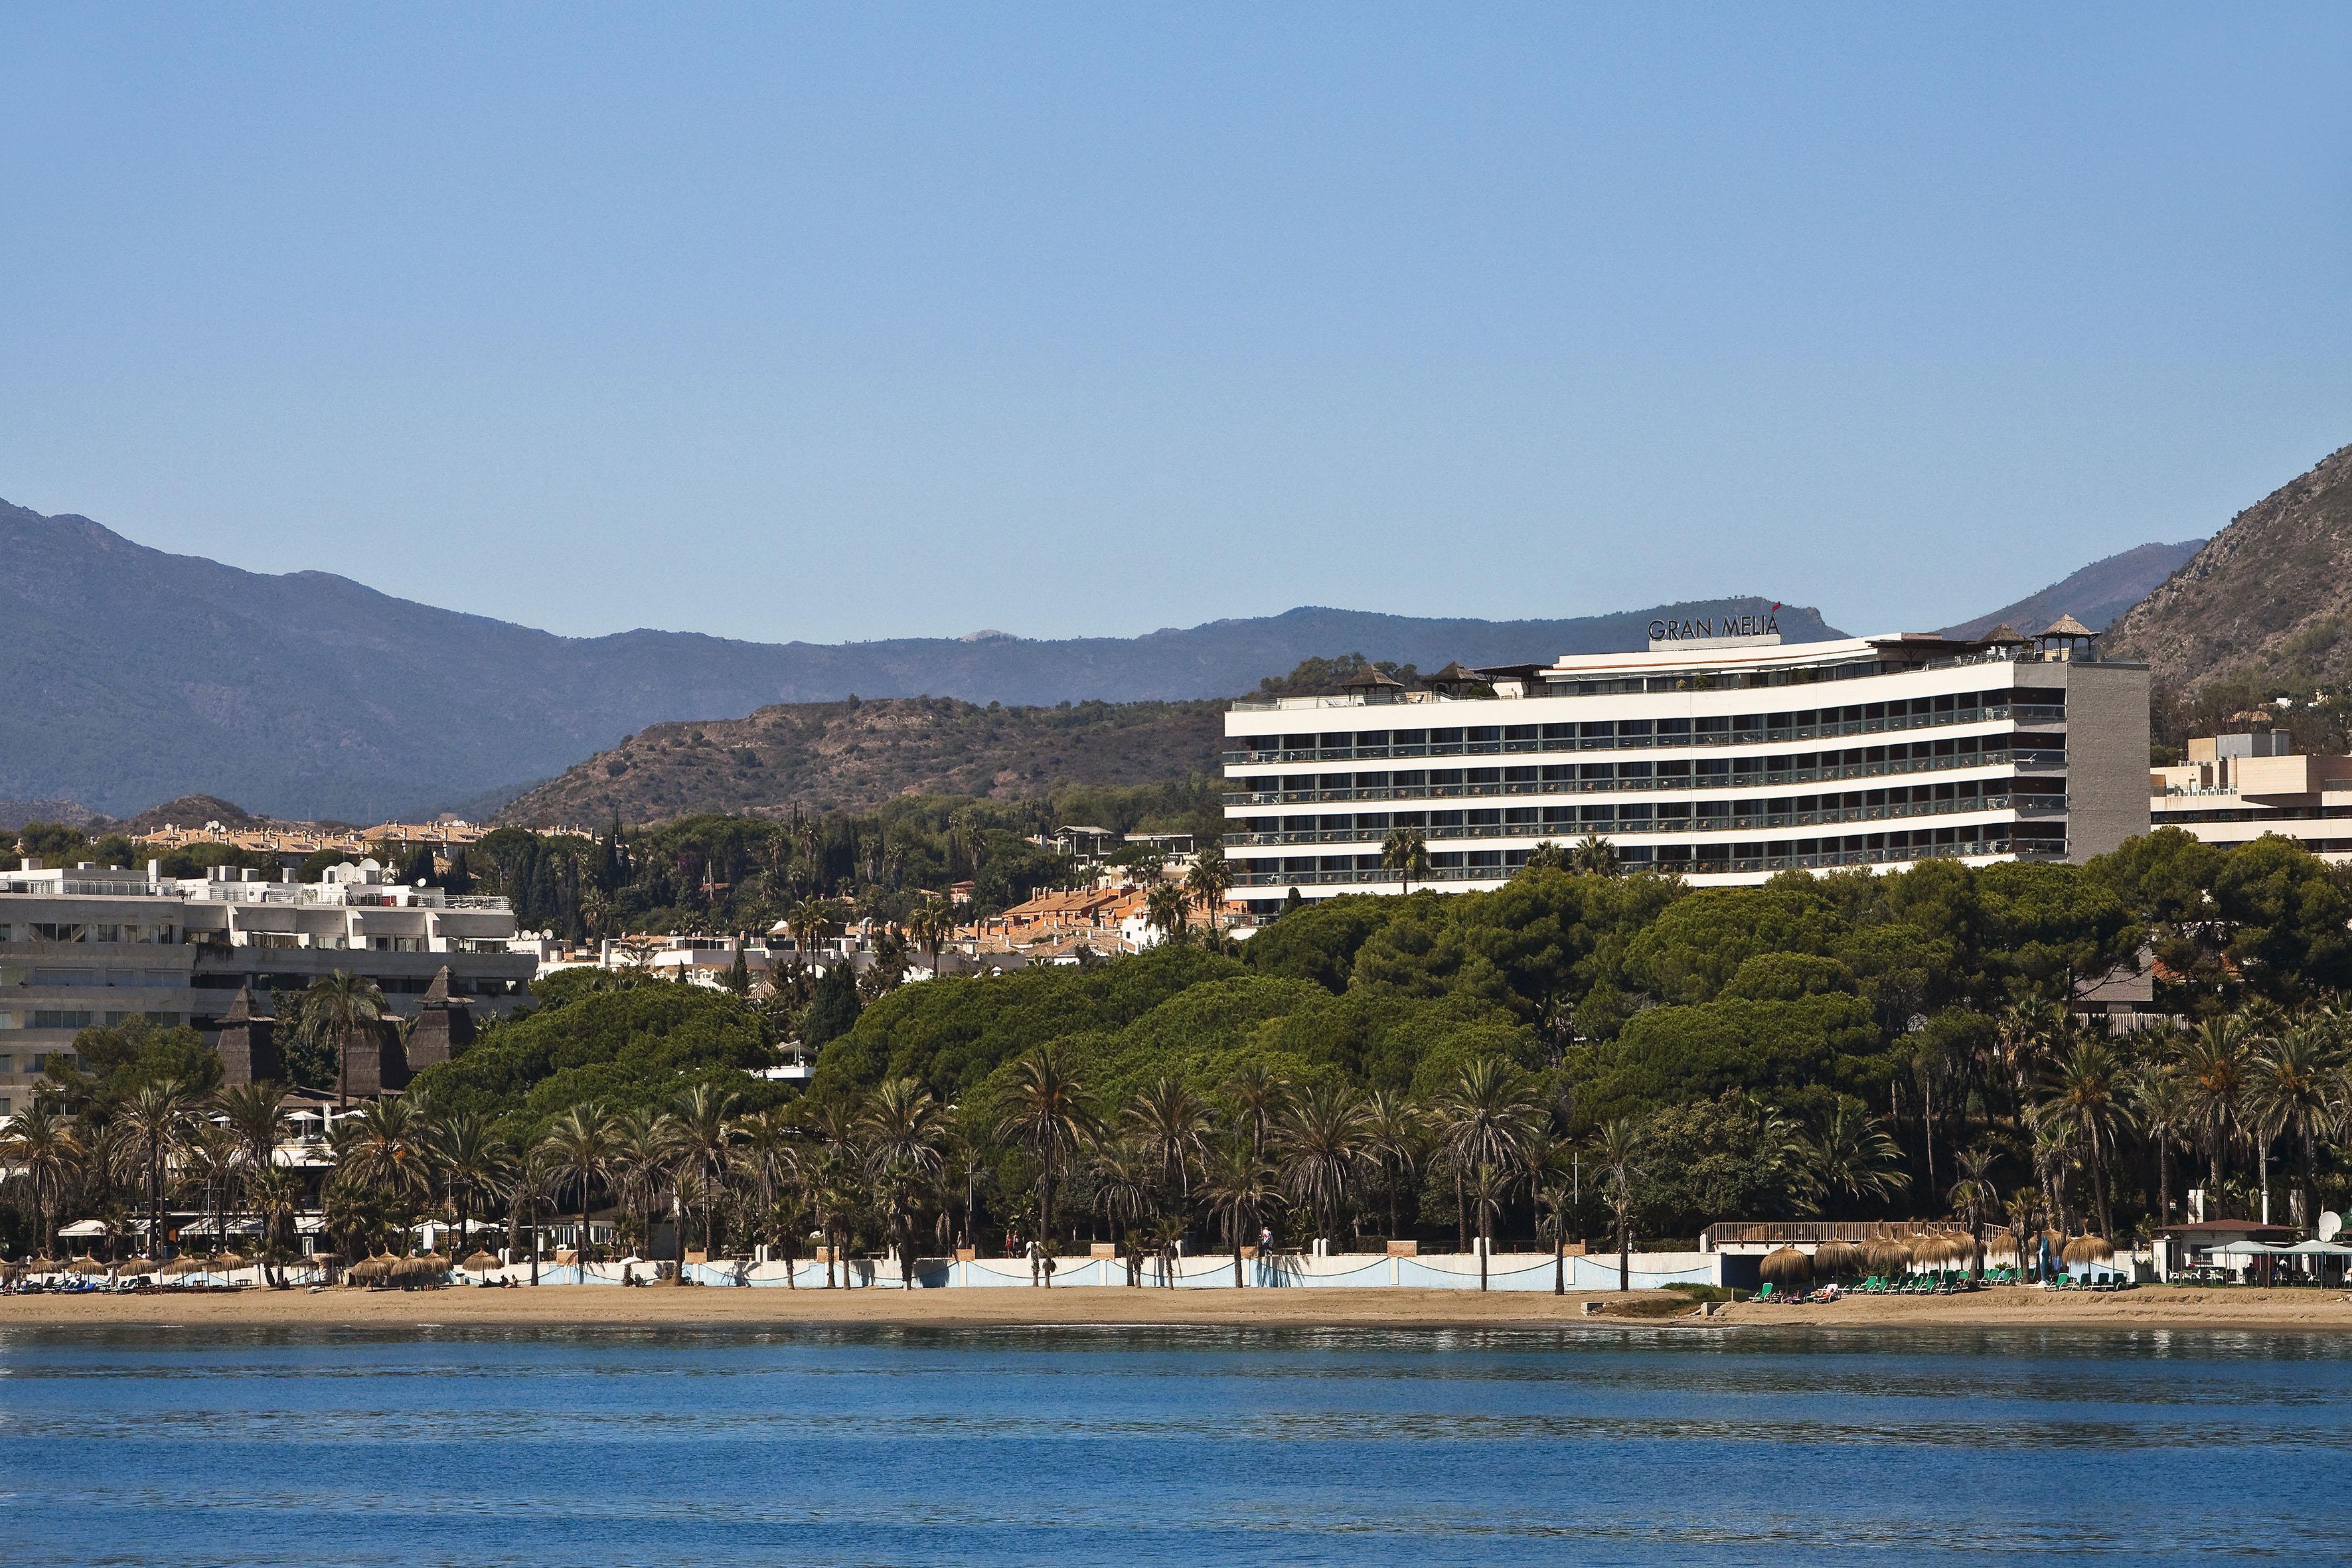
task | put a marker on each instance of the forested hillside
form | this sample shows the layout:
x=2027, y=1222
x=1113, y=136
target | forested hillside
x=857, y=755
x=2264, y=612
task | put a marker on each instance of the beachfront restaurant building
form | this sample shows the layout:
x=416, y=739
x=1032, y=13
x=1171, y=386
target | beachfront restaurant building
x=2246, y=1251
x=1717, y=758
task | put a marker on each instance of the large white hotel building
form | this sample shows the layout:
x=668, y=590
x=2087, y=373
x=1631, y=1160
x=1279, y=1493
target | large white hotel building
x=1719, y=759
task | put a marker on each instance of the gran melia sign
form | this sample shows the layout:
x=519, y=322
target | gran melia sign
x=1730, y=629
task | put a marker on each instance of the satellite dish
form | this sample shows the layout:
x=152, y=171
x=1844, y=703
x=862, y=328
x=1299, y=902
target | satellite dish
x=2331, y=1224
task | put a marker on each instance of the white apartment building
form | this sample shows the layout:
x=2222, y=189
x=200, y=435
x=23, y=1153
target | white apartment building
x=88, y=945
x=1719, y=759
x=2235, y=788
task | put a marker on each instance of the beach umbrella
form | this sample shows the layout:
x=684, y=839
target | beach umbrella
x=86, y=1264
x=227, y=1261
x=1786, y=1265
x=2001, y=1248
x=186, y=1264
x=422, y=1268
x=367, y=1269
x=1838, y=1260
x=138, y=1265
x=1886, y=1254
x=2088, y=1249
x=480, y=1261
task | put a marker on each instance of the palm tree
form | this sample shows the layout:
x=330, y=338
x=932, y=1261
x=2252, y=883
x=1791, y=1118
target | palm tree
x=2085, y=1091
x=1171, y=1125
x=1617, y=1154
x=1166, y=909
x=1486, y=1186
x=255, y=1114
x=1124, y=1183
x=1392, y=1138
x=1488, y=1117
x=905, y=1132
x=42, y=1147
x=531, y=1181
x=704, y=1137
x=2291, y=1092
x=1973, y=1195
x=931, y=924
x=1257, y=1100
x=1321, y=1146
x=156, y=1122
x=2214, y=1062
x=1048, y=1117
x=1239, y=1189
x=277, y=1195
x=768, y=1157
x=1208, y=883
x=337, y=1007
x=1405, y=851
x=387, y=1152
x=1856, y=1158
x=213, y=1160
x=1593, y=856
x=581, y=1148
x=2160, y=1104
x=1555, y=1207
x=1546, y=856
x=645, y=1144
x=468, y=1155
x=2028, y=1033
x=806, y=921
x=835, y=1194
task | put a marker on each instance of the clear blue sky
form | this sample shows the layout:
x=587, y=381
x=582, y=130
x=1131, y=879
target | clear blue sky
x=832, y=325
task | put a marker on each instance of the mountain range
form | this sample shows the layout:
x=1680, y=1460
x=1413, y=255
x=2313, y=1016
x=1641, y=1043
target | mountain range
x=2096, y=596
x=130, y=676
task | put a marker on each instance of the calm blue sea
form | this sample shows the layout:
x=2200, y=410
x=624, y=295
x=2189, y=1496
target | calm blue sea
x=1136, y=1446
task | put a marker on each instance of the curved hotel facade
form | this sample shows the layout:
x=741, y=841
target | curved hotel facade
x=1721, y=759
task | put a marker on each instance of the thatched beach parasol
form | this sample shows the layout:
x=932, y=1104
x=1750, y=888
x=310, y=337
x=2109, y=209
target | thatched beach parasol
x=1786, y=1265
x=424, y=1269
x=186, y=1264
x=227, y=1262
x=2088, y=1249
x=1886, y=1254
x=86, y=1264
x=1838, y=1260
x=480, y=1261
x=369, y=1269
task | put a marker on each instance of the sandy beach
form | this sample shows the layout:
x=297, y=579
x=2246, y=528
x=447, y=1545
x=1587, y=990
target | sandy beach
x=585, y=1307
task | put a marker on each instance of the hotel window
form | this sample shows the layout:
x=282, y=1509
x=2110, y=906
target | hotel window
x=108, y=933
x=7, y=934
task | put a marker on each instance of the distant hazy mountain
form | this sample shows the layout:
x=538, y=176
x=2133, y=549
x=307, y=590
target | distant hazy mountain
x=2096, y=595
x=128, y=676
